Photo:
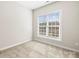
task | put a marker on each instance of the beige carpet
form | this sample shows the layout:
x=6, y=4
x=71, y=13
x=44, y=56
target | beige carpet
x=34, y=49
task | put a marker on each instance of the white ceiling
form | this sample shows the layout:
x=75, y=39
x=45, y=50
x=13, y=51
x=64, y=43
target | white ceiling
x=34, y=4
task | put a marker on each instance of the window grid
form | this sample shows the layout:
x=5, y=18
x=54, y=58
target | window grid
x=42, y=28
x=53, y=29
x=50, y=28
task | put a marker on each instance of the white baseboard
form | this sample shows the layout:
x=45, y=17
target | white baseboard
x=4, y=48
x=1, y=49
x=75, y=50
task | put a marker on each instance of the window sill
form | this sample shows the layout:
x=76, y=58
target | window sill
x=57, y=39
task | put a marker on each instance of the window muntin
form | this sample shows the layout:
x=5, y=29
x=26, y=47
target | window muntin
x=42, y=25
x=49, y=25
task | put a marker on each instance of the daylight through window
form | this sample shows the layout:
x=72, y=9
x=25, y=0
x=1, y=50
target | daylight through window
x=49, y=25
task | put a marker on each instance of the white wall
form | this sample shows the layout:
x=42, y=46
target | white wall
x=70, y=22
x=15, y=24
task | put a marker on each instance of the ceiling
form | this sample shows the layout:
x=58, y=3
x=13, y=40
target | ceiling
x=34, y=4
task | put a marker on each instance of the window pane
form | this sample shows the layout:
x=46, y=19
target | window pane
x=53, y=21
x=42, y=30
x=57, y=22
x=57, y=31
x=42, y=19
x=49, y=24
x=53, y=16
x=42, y=25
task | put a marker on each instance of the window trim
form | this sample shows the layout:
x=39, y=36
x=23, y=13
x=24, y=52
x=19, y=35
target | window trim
x=60, y=28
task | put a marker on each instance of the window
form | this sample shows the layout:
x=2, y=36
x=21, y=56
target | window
x=49, y=25
x=42, y=25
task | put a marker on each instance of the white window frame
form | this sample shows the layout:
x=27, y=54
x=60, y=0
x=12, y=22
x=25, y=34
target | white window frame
x=60, y=29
